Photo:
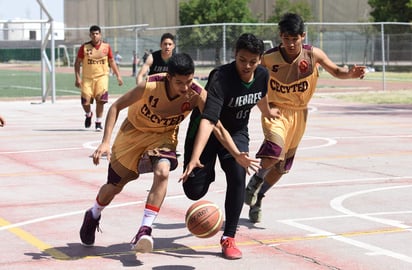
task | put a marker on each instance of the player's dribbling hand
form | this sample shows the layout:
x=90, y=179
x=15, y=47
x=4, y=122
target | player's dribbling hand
x=103, y=149
x=247, y=162
x=189, y=168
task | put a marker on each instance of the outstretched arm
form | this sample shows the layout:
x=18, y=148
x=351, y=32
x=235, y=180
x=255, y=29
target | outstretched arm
x=336, y=71
x=124, y=101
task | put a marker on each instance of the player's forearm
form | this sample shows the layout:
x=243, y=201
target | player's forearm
x=202, y=136
x=225, y=139
x=111, y=119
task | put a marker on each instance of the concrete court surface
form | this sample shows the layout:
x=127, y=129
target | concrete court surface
x=346, y=204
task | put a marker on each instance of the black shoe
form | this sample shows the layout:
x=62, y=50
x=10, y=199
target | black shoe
x=88, y=229
x=99, y=126
x=88, y=121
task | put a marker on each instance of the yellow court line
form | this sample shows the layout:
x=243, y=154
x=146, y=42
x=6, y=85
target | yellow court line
x=31, y=239
x=260, y=242
x=56, y=254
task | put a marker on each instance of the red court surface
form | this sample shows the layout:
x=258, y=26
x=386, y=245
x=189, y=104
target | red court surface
x=346, y=204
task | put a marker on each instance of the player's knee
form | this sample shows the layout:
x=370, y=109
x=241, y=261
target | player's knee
x=115, y=189
x=162, y=168
x=279, y=169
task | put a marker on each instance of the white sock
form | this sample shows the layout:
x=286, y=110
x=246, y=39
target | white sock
x=97, y=210
x=99, y=119
x=149, y=215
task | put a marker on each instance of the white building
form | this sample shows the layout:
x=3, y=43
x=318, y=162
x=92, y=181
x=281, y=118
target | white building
x=20, y=30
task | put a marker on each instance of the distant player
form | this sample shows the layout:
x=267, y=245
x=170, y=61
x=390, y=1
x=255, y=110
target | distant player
x=293, y=76
x=156, y=62
x=95, y=57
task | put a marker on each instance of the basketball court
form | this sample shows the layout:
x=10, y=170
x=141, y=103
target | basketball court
x=346, y=204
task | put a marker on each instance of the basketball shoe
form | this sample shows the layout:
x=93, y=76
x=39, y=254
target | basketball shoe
x=99, y=126
x=88, y=121
x=252, y=189
x=229, y=249
x=143, y=241
x=88, y=229
x=255, y=211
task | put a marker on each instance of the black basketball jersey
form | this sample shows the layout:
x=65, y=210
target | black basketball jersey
x=230, y=100
x=158, y=65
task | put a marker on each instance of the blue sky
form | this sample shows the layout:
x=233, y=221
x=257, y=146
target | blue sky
x=30, y=9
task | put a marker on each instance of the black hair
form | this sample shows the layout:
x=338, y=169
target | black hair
x=95, y=28
x=167, y=36
x=291, y=24
x=180, y=64
x=250, y=43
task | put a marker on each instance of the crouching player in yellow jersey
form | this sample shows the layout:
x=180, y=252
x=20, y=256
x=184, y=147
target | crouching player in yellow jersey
x=293, y=74
x=146, y=142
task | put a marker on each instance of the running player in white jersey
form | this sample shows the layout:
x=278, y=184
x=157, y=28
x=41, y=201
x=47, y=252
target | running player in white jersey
x=293, y=76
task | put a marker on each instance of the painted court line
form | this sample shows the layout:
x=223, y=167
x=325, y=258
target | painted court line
x=337, y=204
x=372, y=250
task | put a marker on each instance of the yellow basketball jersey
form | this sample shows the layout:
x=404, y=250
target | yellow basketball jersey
x=95, y=61
x=156, y=111
x=291, y=84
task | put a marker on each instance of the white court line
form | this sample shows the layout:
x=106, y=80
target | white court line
x=373, y=179
x=337, y=204
x=36, y=220
x=42, y=150
x=329, y=142
x=182, y=196
x=373, y=250
x=38, y=88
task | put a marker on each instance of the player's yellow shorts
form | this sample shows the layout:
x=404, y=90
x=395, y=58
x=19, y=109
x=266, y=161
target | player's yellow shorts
x=282, y=137
x=96, y=88
x=134, y=151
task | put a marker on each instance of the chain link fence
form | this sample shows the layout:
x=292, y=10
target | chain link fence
x=379, y=45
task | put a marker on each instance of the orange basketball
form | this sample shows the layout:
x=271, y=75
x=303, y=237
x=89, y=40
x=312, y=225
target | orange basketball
x=204, y=219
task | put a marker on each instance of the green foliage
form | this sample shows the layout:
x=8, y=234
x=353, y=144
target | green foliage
x=194, y=12
x=214, y=11
x=283, y=6
x=391, y=11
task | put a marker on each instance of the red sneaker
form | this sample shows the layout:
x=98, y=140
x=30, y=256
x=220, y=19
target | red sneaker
x=229, y=249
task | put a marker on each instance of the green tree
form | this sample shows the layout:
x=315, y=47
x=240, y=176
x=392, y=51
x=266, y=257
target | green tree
x=391, y=11
x=283, y=6
x=194, y=12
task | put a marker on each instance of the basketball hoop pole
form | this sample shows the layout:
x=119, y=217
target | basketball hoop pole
x=45, y=62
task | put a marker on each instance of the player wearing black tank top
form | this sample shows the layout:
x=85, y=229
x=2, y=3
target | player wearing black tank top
x=233, y=90
x=156, y=62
